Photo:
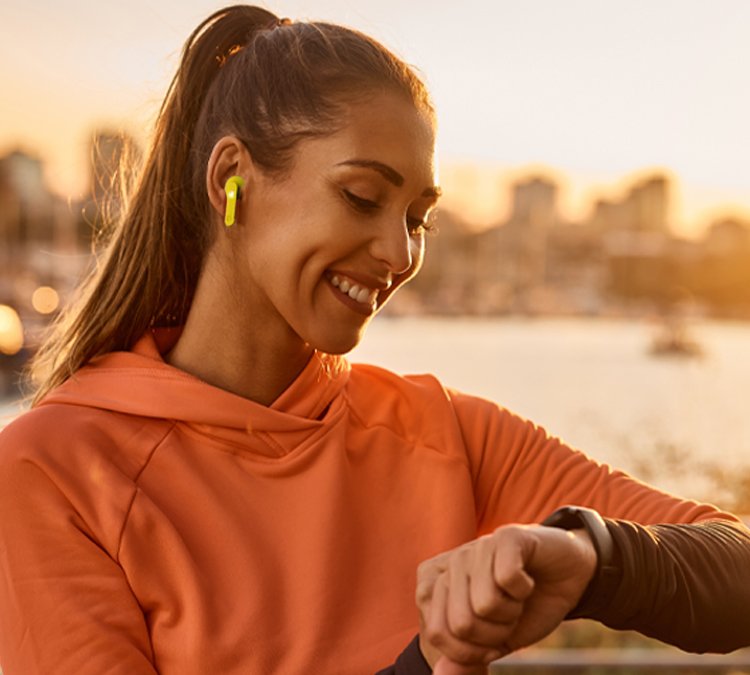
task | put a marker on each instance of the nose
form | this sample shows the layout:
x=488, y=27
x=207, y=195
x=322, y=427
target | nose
x=393, y=246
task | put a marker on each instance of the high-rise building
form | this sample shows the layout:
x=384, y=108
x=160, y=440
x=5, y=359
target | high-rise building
x=648, y=205
x=644, y=208
x=534, y=203
x=533, y=215
x=25, y=203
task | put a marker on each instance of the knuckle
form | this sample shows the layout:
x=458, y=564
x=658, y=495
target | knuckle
x=507, y=532
x=423, y=594
x=427, y=562
x=520, y=586
x=464, y=553
x=485, y=608
x=424, y=568
x=461, y=626
x=434, y=636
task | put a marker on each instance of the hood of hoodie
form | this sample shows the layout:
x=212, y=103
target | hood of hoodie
x=139, y=382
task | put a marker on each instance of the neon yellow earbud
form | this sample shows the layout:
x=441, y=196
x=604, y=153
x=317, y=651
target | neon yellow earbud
x=232, y=190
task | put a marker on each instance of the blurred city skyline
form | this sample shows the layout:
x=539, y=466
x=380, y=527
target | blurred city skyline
x=624, y=257
x=492, y=186
x=591, y=94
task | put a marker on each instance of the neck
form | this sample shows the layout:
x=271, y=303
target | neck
x=223, y=346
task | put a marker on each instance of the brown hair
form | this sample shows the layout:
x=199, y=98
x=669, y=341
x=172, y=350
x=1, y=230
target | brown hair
x=245, y=72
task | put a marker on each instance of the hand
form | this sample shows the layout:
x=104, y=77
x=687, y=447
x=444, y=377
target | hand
x=499, y=593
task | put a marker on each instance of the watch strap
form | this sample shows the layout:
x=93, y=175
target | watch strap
x=608, y=573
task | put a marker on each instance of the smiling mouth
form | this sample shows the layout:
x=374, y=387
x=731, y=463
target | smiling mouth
x=356, y=291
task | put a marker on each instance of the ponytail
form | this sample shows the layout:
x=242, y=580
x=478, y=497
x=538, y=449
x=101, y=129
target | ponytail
x=243, y=71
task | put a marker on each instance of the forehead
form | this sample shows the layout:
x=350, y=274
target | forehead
x=386, y=128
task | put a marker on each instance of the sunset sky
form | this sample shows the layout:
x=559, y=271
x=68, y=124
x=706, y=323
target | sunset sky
x=592, y=91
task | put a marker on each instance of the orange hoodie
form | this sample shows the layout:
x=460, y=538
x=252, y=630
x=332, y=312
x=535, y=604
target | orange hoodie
x=154, y=523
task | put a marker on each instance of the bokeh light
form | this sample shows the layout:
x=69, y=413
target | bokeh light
x=11, y=331
x=45, y=300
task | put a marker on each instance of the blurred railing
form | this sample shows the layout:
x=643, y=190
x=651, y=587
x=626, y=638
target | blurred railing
x=621, y=660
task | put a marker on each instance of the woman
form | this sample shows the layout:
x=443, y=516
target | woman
x=205, y=486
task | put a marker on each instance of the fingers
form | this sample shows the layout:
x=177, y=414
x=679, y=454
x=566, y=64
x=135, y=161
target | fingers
x=427, y=574
x=474, y=603
x=509, y=573
x=447, y=622
x=501, y=592
x=478, y=608
x=472, y=598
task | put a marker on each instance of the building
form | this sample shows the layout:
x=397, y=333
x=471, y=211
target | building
x=26, y=206
x=647, y=205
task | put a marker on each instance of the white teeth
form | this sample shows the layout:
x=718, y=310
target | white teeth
x=356, y=292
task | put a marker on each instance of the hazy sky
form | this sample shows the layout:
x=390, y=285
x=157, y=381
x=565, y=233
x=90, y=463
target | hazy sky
x=593, y=89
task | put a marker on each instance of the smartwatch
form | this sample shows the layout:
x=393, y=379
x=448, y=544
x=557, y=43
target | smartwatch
x=608, y=573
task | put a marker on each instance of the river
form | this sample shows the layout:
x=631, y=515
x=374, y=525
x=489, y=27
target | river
x=668, y=420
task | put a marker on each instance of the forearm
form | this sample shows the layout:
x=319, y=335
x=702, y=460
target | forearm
x=686, y=585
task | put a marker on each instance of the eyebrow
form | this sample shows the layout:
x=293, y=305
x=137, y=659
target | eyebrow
x=390, y=174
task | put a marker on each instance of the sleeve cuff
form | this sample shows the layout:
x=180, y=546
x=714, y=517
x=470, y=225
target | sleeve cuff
x=409, y=662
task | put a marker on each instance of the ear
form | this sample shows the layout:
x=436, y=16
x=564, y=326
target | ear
x=229, y=157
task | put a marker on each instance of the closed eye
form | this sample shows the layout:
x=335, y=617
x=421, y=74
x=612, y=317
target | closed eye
x=415, y=225
x=360, y=203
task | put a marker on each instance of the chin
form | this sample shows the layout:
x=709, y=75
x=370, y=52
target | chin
x=339, y=344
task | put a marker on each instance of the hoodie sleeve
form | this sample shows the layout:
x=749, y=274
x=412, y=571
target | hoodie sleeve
x=685, y=584
x=684, y=564
x=521, y=474
x=66, y=604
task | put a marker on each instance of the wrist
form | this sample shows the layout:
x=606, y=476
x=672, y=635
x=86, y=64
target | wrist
x=429, y=653
x=607, y=573
x=589, y=558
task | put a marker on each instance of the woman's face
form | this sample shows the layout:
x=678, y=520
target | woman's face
x=320, y=250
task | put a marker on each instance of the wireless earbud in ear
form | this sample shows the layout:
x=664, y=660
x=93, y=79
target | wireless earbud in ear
x=232, y=190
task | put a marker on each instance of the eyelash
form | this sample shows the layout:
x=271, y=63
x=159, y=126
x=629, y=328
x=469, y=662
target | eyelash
x=368, y=206
x=361, y=203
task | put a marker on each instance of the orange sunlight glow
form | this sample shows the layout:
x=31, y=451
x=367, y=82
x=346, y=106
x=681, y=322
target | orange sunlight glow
x=517, y=95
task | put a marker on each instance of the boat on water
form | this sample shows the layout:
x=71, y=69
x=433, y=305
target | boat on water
x=672, y=338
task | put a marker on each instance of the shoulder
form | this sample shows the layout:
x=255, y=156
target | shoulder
x=417, y=391
x=72, y=464
x=423, y=385
x=368, y=383
x=410, y=405
x=68, y=440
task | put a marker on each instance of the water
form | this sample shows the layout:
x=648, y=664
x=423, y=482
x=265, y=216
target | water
x=592, y=382
x=668, y=420
x=8, y=411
